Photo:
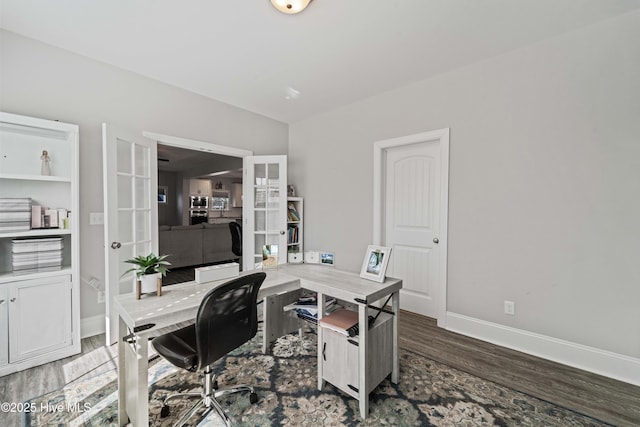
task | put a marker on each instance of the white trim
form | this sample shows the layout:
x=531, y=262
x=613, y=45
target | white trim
x=192, y=144
x=90, y=326
x=601, y=362
x=379, y=147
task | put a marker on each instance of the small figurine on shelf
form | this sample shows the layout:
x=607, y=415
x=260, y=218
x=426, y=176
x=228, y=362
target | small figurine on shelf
x=45, y=169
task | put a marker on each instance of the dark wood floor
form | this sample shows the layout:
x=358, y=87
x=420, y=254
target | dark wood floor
x=608, y=400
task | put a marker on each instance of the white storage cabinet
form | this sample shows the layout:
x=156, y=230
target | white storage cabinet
x=39, y=307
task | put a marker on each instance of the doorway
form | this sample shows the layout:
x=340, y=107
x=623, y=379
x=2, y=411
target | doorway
x=410, y=216
x=205, y=183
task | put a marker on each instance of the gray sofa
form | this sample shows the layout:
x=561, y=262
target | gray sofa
x=198, y=244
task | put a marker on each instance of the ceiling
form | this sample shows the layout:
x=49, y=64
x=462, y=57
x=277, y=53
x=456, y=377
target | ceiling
x=247, y=54
x=198, y=164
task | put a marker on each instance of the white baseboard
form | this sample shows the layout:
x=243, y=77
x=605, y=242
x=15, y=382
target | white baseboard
x=601, y=362
x=90, y=326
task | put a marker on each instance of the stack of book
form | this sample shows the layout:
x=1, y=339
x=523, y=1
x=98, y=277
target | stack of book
x=292, y=213
x=307, y=307
x=292, y=234
x=35, y=255
x=15, y=214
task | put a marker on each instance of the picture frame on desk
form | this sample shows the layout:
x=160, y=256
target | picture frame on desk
x=374, y=265
x=269, y=257
x=327, y=258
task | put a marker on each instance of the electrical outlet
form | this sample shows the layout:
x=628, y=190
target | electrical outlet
x=509, y=308
x=100, y=297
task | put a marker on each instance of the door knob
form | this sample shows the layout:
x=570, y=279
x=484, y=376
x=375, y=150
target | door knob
x=1, y=301
x=115, y=245
x=282, y=232
x=435, y=240
x=13, y=299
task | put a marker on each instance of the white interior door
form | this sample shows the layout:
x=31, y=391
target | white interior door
x=264, y=208
x=411, y=208
x=131, y=210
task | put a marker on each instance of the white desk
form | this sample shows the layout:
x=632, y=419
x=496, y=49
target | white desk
x=179, y=303
x=350, y=287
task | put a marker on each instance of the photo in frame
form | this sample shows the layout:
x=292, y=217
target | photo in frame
x=374, y=265
x=269, y=256
x=327, y=258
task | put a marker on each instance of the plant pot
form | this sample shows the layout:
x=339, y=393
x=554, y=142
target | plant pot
x=149, y=283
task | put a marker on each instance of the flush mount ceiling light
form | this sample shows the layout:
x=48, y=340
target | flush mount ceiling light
x=290, y=6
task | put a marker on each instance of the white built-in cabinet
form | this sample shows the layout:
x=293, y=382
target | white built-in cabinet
x=39, y=309
x=200, y=187
x=295, y=229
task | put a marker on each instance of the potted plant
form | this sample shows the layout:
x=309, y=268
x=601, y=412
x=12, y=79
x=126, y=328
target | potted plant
x=148, y=269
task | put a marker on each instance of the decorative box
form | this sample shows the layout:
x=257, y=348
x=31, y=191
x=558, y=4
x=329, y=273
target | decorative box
x=217, y=272
x=294, y=257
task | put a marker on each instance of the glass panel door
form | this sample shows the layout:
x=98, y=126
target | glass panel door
x=130, y=187
x=264, y=210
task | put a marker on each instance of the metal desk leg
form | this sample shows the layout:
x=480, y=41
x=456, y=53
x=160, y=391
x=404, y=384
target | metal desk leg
x=363, y=395
x=321, y=307
x=395, y=304
x=123, y=419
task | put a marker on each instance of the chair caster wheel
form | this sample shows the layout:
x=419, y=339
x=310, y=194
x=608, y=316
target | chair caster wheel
x=253, y=398
x=164, y=412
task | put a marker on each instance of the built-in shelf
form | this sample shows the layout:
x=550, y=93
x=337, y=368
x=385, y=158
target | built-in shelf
x=42, y=289
x=11, y=276
x=36, y=233
x=34, y=177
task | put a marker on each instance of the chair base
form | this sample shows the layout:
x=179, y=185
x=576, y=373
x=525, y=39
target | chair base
x=208, y=399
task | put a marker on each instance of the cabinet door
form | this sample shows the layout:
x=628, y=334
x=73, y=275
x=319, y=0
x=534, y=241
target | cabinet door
x=39, y=316
x=340, y=362
x=4, y=326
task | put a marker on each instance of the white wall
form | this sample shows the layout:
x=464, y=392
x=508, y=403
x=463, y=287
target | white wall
x=42, y=81
x=544, y=183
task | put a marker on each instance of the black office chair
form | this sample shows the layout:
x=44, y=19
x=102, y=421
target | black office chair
x=236, y=238
x=226, y=319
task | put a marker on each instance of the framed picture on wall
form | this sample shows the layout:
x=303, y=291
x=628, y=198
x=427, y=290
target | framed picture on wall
x=162, y=194
x=374, y=265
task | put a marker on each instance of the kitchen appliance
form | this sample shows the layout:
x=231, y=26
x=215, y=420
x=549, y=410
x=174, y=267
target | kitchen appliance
x=198, y=217
x=198, y=212
x=199, y=202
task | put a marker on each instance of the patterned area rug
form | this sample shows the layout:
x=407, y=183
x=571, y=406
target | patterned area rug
x=428, y=393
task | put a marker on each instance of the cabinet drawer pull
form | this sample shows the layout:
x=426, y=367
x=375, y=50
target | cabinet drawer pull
x=1, y=301
x=324, y=351
x=13, y=299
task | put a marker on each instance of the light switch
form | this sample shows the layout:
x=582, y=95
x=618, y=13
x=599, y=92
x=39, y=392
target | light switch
x=96, y=218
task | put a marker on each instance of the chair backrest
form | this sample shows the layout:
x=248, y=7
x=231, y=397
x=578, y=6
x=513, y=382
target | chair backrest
x=227, y=317
x=236, y=238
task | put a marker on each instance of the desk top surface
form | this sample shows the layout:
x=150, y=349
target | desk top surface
x=341, y=284
x=179, y=302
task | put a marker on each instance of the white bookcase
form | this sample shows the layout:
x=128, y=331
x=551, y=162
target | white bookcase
x=295, y=229
x=39, y=309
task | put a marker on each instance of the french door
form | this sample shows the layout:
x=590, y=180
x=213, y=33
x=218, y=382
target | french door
x=131, y=211
x=264, y=209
